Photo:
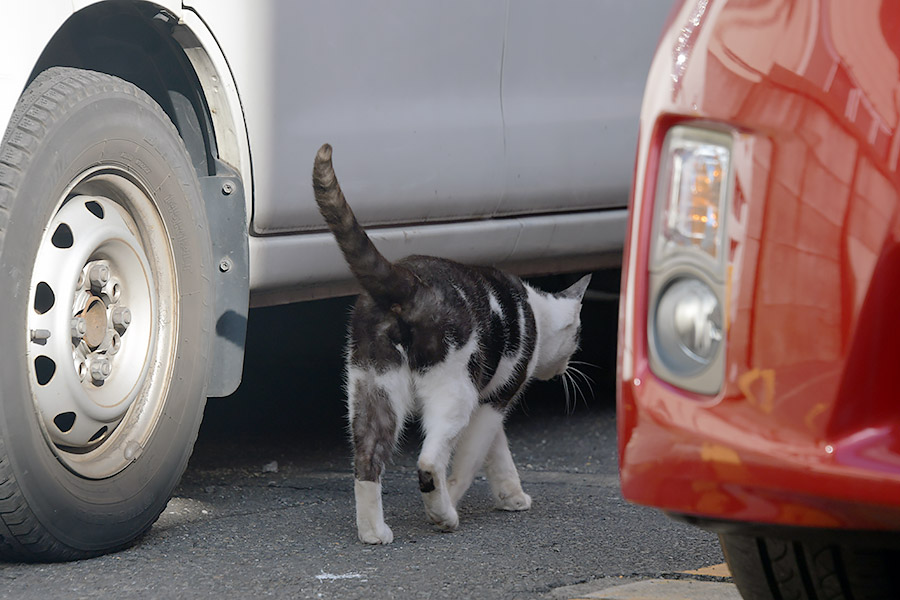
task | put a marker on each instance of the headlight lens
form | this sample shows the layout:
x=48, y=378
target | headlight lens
x=687, y=261
x=688, y=326
x=695, y=178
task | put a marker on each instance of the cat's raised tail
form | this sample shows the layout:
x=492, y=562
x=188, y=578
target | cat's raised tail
x=389, y=285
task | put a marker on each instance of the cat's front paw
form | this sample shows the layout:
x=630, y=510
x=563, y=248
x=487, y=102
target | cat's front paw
x=376, y=535
x=517, y=501
x=447, y=520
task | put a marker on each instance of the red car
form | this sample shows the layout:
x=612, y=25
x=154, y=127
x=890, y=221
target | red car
x=759, y=359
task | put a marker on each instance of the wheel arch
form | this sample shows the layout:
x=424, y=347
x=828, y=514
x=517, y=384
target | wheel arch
x=134, y=41
x=175, y=59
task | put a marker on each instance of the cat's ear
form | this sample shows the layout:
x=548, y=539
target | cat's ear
x=576, y=290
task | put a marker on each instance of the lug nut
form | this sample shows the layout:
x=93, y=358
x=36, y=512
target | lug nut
x=100, y=369
x=113, y=290
x=79, y=328
x=121, y=318
x=99, y=277
x=115, y=344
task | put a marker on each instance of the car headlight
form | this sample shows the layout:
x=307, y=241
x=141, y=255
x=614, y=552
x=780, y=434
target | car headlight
x=687, y=260
x=694, y=183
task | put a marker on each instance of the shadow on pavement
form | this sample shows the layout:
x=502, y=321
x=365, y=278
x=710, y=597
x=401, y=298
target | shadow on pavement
x=292, y=389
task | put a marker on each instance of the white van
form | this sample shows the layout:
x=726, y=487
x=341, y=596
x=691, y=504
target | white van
x=154, y=183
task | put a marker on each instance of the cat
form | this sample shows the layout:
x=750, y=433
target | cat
x=456, y=344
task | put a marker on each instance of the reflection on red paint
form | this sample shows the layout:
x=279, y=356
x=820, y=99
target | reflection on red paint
x=812, y=91
x=684, y=43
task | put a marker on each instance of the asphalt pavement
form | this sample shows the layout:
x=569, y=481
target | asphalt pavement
x=266, y=506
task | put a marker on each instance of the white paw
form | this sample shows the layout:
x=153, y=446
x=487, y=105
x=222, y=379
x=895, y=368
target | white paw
x=447, y=520
x=376, y=535
x=517, y=501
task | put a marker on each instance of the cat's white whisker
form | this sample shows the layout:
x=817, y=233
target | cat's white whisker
x=565, y=384
x=578, y=391
x=569, y=376
x=575, y=393
x=587, y=380
x=583, y=362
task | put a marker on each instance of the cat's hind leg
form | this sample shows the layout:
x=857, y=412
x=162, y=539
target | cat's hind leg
x=503, y=476
x=472, y=448
x=448, y=401
x=378, y=403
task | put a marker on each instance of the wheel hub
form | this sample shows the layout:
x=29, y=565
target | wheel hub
x=95, y=322
x=105, y=321
x=91, y=321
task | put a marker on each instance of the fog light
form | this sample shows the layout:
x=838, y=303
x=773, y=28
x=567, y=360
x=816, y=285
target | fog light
x=688, y=326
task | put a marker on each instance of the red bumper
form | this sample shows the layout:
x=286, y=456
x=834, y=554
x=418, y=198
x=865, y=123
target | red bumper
x=806, y=430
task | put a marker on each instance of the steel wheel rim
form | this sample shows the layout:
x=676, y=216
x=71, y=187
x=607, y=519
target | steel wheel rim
x=102, y=323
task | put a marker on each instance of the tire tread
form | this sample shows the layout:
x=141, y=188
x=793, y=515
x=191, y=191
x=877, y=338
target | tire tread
x=775, y=569
x=48, y=98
